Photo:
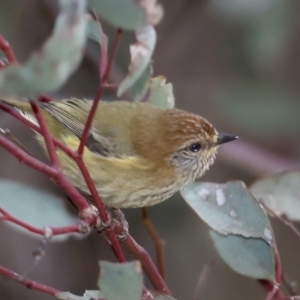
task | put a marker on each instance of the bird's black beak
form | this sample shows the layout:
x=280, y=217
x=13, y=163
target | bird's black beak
x=225, y=138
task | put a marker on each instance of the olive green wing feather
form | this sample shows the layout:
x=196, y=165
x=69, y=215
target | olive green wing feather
x=72, y=114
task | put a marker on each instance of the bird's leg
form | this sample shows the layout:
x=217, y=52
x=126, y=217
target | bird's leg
x=124, y=224
x=158, y=242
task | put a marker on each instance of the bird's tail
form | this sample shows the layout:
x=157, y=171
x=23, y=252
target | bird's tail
x=20, y=104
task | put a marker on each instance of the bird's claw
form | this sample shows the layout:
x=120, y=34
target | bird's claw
x=124, y=224
x=107, y=225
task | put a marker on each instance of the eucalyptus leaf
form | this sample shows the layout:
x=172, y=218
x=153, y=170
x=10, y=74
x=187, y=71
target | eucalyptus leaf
x=247, y=256
x=280, y=193
x=229, y=209
x=161, y=94
x=88, y=295
x=128, y=14
x=141, y=86
x=35, y=207
x=241, y=11
x=141, y=53
x=50, y=67
x=95, y=32
x=121, y=281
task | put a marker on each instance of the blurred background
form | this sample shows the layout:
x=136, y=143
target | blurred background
x=236, y=63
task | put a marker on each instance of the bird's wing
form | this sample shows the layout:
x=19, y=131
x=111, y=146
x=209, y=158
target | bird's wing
x=72, y=114
x=69, y=113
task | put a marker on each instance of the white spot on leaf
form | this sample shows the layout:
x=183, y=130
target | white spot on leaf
x=220, y=197
x=233, y=213
x=268, y=235
x=203, y=193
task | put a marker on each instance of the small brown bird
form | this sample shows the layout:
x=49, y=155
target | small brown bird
x=138, y=155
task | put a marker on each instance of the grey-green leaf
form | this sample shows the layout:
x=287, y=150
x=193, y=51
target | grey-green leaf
x=161, y=94
x=35, y=206
x=247, y=256
x=121, y=281
x=141, y=86
x=50, y=67
x=141, y=53
x=128, y=14
x=280, y=193
x=228, y=208
x=88, y=295
x=95, y=32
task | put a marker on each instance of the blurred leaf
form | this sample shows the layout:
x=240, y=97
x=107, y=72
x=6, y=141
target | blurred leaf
x=121, y=281
x=140, y=87
x=247, y=256
x=128, y=14
x=95, y=32
x=34, y=206
x=49, y=68
x=280, y=193
x=259, y=109
x=141, y=53
x=161, y=94
x=88, y=295
x=241, y=11
x=265, y=43
x=228, y=208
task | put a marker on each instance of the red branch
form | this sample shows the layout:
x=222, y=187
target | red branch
x=99, y=94
x=30, y=161
x=62, y=180
x=141, y=254
x=84, y=170
x=27, y=282
x=77, y=228
x=46, y=135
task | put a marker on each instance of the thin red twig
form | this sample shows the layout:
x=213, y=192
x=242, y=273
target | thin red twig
x=8, y=109
x=77, y=228
x=88, y=179
x=141, y=254
x=99, y=94
x=158, y=242
x=7, y=50
x=27, y=282
x=63, y=181
x=46, y=135
x=30, y=161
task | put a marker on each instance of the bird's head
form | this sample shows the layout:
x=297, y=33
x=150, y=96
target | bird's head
x=193, y=142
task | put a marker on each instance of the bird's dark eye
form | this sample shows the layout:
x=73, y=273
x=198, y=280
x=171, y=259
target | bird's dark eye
x=195, y=147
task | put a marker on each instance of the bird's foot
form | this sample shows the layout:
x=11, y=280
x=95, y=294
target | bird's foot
x=123, y=227
x=107, y=225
